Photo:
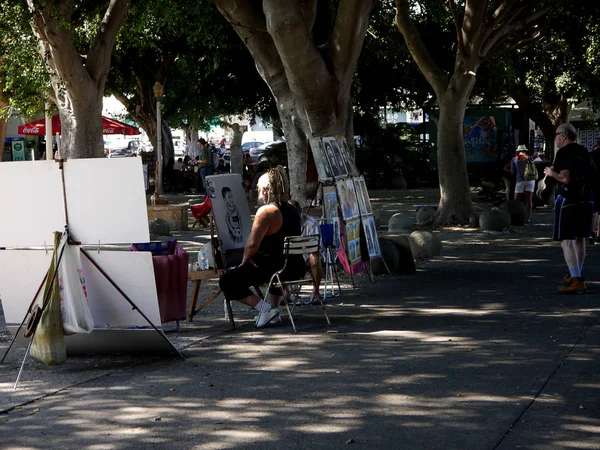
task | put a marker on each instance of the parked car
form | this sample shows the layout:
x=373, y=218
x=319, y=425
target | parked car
x=118, y=149
x=136, y=147
x=271, y=153
x=246, y=149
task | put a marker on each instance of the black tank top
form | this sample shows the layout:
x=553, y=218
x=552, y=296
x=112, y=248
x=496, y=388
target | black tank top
x=270, y=251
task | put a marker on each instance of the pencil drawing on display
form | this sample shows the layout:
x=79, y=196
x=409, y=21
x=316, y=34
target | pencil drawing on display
x=321, y=161
x=230, y=209
x=332, y=151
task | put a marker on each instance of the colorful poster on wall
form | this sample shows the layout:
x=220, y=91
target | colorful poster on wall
x=481, y=139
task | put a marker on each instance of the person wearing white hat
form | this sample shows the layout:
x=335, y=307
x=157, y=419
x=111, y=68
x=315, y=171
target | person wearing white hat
x=523, y=186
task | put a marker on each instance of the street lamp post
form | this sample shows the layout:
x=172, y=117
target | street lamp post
x=158, y=94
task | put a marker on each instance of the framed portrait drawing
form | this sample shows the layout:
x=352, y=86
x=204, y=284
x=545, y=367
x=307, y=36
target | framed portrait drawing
x=332, y=152
x=345, y=156
x=370, y=231
x=321, y=160
x=230, y=209
x=364, y=204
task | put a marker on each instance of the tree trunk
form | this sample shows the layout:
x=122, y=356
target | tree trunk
x=191, y=141
x=236, y=156
x=295, y=138
x=478, y=35
x=297, y=127
x=78, y=83
x=310, y=80
x=558, y=113
x=81, y=123
x=455, y=205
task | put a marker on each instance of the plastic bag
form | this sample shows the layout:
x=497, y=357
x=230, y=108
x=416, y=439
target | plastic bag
x=76, y=315
x=48, y=341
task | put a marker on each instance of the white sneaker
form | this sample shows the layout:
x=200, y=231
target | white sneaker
x=266, y=317
x=276, y=319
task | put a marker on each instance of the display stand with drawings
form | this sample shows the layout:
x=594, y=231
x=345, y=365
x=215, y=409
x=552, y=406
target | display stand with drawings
x=346, y=204
x=124, y=305
x=232, y=223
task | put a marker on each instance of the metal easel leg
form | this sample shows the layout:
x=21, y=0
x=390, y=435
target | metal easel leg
x=23, y=364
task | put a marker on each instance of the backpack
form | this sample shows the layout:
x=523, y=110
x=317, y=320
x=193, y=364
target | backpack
x=531, y=173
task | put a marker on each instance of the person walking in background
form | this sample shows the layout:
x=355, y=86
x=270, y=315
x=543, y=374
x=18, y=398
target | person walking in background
x=573, y=206
x=523, y=186
x=204, y=161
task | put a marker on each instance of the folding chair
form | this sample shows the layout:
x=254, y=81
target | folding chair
x=200, y=212
x=296, y=245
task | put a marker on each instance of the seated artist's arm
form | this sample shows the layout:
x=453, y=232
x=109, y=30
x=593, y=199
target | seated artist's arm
x=267, y=221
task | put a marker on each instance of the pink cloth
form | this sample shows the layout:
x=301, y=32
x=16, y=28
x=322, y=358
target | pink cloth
x=171, y=274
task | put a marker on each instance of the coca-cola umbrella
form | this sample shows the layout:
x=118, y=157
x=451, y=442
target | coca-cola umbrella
x=109, y=126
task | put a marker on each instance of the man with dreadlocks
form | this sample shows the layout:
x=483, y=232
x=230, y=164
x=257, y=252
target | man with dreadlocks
x=263, y=253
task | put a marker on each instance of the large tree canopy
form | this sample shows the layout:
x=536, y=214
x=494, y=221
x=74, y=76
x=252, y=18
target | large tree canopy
x=189, y=48
x=562, y=68
x=307, y=53
x=482, y=29
x=24, y=80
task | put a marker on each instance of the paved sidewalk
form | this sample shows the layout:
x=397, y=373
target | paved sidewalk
x=474, y=351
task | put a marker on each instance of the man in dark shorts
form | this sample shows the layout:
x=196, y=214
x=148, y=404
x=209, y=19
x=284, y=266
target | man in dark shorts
x=263, y=252
x=573, y=206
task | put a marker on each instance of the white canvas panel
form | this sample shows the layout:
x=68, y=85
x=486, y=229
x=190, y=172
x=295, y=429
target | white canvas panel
x=107, y=341
x=133, y=272
x=106, y=200
x=23, y=270
x=32, y=203
x=21, y=275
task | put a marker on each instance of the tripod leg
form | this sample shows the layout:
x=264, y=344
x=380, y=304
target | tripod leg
x=23, y=364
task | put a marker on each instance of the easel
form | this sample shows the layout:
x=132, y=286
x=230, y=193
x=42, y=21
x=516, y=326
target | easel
x=198, y=276
x=32, y=326
x=365, y=256
x=330, y=258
